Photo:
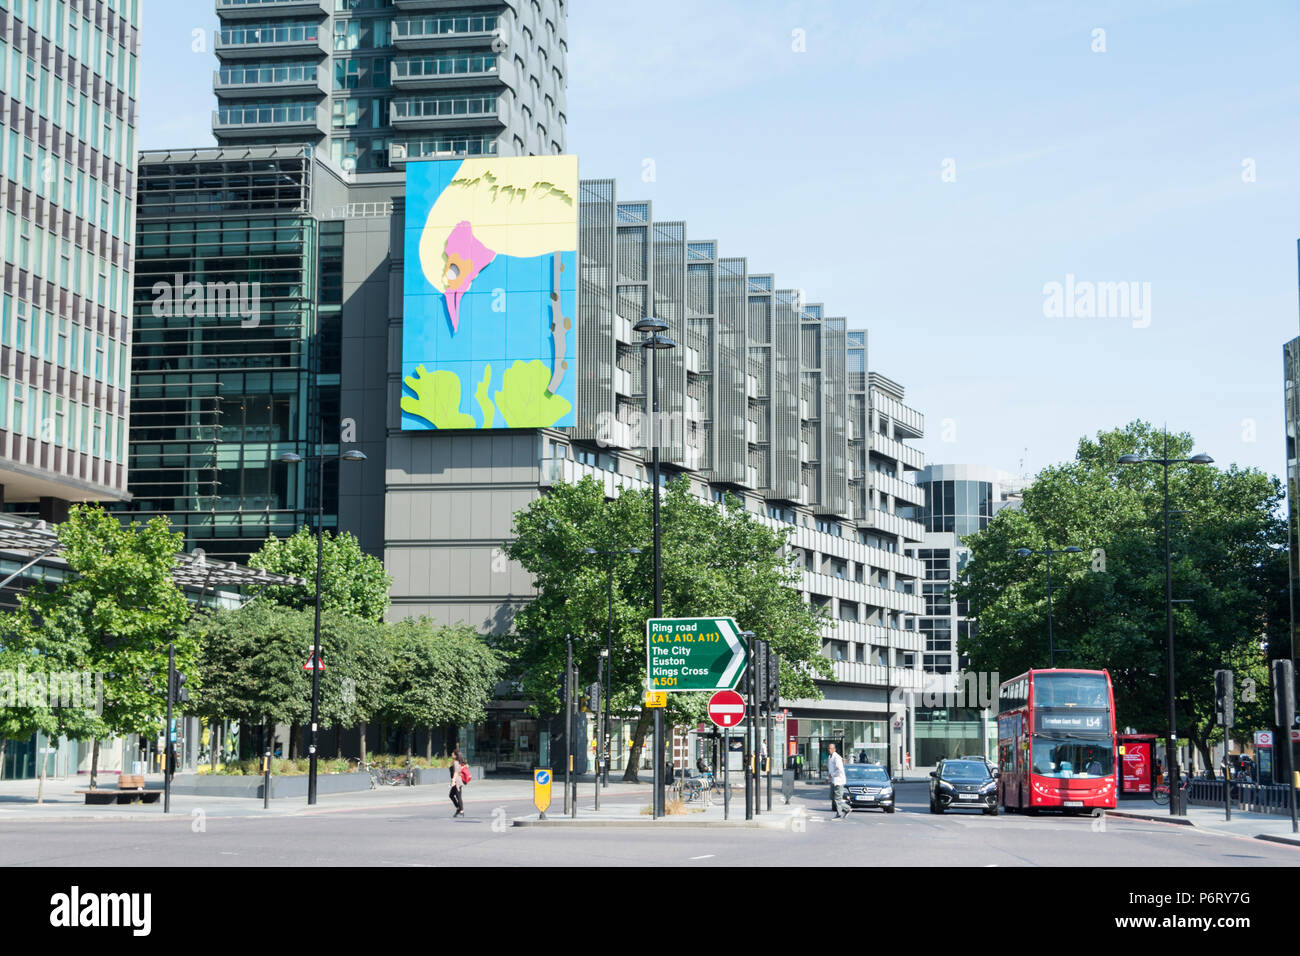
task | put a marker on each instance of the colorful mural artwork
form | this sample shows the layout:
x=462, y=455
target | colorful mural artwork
x=489, y=299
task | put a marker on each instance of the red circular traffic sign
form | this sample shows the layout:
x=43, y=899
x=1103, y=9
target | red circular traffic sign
x=726, y=708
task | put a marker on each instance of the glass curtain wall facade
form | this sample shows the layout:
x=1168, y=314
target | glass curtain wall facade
x=68, y=78
x=375, y=82
x=234, y=277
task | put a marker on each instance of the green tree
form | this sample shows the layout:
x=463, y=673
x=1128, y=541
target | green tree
x=252, y=660
x=1227, y=540
x=352, y=582
x=440, y=675
x=114, y=614
x=716, y=561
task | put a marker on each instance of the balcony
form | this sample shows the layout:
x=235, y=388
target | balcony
x=902, y=490
x=903, y=454
x=908, y=421
x=443, y=148
x=289, y=39
x=459, y=112
x=249, y=9
x=287, y=79
x=301, y=119
x=432, y=31
x=433, y=71
x=893, y=524
x=435, y=5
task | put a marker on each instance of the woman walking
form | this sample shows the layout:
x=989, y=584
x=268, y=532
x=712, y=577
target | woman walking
x=458, y=774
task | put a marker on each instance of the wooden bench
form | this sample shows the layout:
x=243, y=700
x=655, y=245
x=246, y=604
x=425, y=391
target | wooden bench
x=130, y=789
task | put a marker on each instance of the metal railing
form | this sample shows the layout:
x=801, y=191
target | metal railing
x=431, y=66
x=416, y=27
x=265, y=115
x=266, y=75
x=444, y=107
x=244, y=36
x=1255, y=797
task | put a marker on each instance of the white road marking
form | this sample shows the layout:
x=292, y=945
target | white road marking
x=706, y=856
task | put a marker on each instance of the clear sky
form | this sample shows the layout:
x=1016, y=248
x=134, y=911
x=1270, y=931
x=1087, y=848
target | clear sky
x=927, y=169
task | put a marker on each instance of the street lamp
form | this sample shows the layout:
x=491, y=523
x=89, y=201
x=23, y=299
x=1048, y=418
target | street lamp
x=608, y=652
x=1048, y=552
x=289, y=458
x=655, y=341
x=751, y=745
x=1171, y=739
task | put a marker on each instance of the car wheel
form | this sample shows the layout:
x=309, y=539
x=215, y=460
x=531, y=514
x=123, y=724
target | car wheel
x=991, y=812
x=889, y=809
x=932, y=807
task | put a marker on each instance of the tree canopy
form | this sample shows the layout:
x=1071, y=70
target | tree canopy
x=352, y=582
x=1228, y=544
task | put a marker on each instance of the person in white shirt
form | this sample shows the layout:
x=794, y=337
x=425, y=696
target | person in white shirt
x=835, y=767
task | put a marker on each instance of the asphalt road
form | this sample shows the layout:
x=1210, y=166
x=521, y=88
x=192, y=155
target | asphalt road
x=426, y=835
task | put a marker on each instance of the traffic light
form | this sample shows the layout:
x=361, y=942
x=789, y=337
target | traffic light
x=1283, y=674
x=593, y=697
x=1223, y=697
x=773, y=678
x=181, y=693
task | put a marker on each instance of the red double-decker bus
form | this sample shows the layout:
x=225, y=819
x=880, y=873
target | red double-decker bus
x=1056, y=742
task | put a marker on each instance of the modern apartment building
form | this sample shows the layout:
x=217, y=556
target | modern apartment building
x=372, y=82
x=68, y=75
x=959, y=500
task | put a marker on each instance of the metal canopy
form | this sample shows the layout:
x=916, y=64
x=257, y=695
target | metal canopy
x=189, y=570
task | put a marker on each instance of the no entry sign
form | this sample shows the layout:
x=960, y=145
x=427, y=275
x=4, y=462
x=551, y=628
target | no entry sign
x=726, y=708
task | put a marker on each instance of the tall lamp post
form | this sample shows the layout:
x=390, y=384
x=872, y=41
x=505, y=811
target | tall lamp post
x=289, y=458
x=1171, y=739
x=1048, y=552
x=612, y=554
x=655, y=342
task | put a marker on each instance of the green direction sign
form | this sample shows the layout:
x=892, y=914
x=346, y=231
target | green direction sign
x=693, y=653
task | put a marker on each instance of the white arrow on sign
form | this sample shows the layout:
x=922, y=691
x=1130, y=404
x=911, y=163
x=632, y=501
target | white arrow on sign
x=737, y=652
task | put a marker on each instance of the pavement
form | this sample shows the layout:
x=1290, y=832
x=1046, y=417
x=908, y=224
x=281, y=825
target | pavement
x=1272, y=827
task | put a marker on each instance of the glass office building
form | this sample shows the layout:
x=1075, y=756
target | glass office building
x=68, y=76
x=237, y=346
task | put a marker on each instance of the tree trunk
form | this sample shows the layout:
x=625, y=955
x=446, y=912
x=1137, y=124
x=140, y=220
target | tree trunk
x=40, y=786
x=293, y=742
x=410, y=742
x=338, y=741
x=428, y=748
x=4, y=742
x=638, y=743
x=94, y=764
x=1203, y=747
x=363, y=740
x=382, y=743
x=214, y=741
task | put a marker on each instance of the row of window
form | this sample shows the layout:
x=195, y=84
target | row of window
x=64, y=263
x=51, y=177
x=61, y=421
x=59, y=101
x=64, y=343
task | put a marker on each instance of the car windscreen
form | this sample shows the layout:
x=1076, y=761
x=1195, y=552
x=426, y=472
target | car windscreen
x=872, y=775
x=966, y=770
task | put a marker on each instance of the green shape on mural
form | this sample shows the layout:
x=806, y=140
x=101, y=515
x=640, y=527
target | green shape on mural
x=523, y=400
x=485, y=403
x=437, y=399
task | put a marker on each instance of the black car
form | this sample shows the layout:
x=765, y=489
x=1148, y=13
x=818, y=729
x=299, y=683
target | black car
x=868, y=785
x=963, y=785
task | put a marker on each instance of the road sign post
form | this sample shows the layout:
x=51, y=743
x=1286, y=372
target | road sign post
x=541, y=791
x=688, y=654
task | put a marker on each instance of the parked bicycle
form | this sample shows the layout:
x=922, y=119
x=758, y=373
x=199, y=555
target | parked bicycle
x=387, y=776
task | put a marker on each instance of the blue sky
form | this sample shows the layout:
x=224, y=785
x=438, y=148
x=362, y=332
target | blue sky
x=827, y=166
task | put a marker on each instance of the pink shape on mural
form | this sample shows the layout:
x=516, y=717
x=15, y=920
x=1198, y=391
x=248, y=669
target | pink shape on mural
x=465, y=258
